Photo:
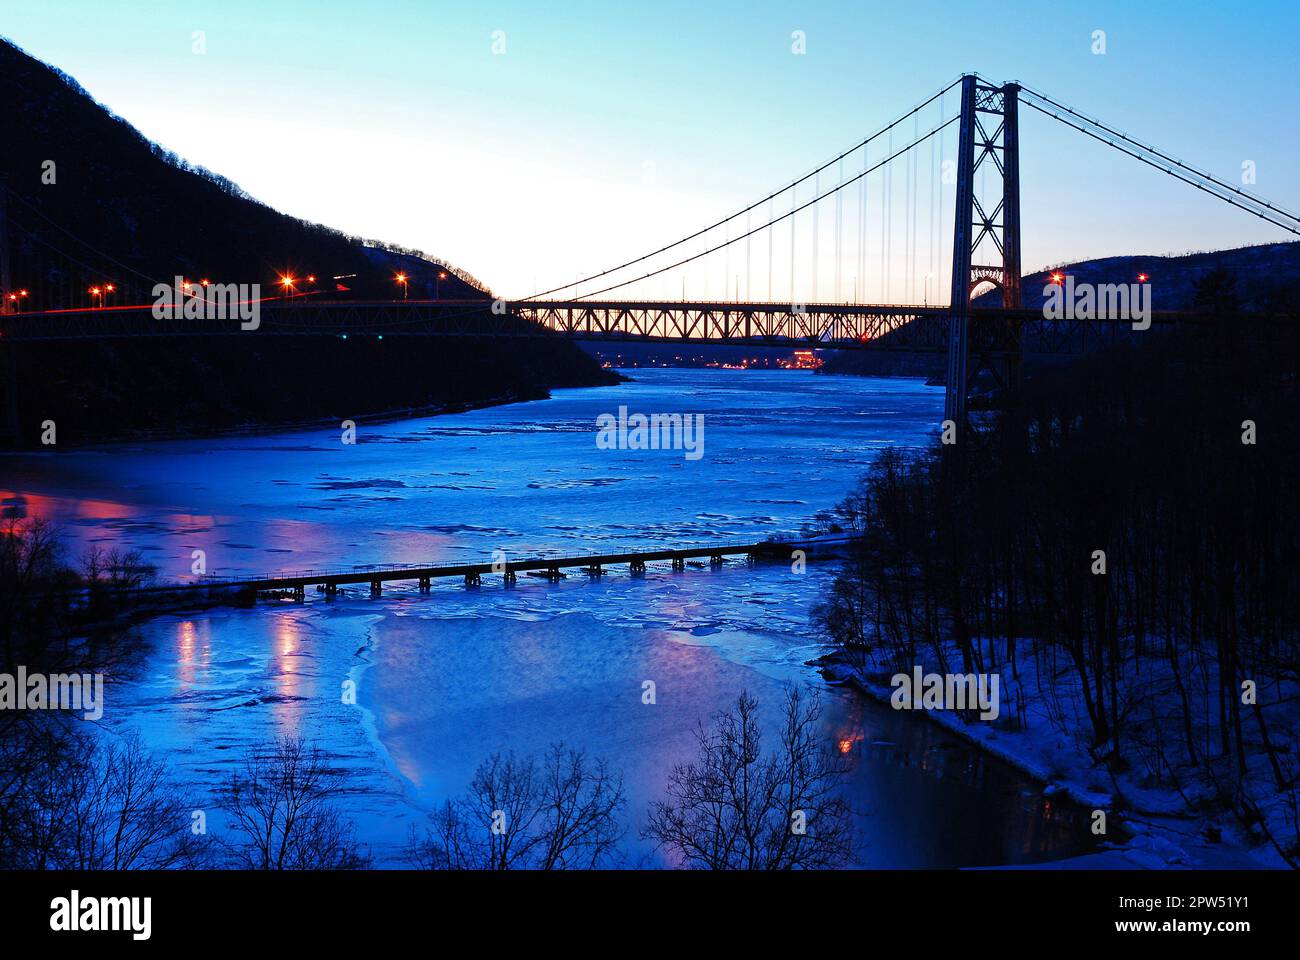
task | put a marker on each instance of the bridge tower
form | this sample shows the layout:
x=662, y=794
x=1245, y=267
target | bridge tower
x=986, y=227
x=6, y=276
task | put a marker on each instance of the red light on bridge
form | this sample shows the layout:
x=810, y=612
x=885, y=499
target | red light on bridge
x=1057, y=277
x=1142, y=278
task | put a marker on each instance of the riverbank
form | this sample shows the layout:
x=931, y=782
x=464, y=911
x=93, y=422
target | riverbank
x=317, y=423
x=1151, y=826
x=79, y=393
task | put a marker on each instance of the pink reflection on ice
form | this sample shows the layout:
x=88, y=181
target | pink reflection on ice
x=193, y=653
x=291, y=681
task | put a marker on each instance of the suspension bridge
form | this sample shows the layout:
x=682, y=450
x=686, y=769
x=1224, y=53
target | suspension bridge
x=822, y=262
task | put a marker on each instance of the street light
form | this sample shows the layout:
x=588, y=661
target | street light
x=1142, y=278
x=402, y=279
x=437, y=288
x=98, y=295
x=286, y=284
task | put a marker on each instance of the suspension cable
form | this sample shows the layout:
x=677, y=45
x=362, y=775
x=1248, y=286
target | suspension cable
x=775, y=193
x=793, y=211
x=1278, y=216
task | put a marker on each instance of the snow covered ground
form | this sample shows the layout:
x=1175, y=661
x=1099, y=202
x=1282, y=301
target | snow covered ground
x=1152, y=822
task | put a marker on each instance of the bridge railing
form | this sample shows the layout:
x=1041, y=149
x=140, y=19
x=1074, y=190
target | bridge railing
x=510, y=562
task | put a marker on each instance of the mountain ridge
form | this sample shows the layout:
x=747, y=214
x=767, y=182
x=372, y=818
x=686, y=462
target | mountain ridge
x=1267, y=278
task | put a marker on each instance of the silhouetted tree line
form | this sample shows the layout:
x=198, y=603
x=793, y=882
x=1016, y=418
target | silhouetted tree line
x=738, y=805
x=77, y=800
x=90, y=800
x=1178, y=461
x=164, y=387
x=46, y=599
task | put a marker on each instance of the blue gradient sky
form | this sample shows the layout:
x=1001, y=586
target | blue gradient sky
x=606, y=130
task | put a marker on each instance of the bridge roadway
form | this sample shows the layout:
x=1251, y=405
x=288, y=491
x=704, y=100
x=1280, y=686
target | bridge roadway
x=826, y=325
x=838, y=326
x=550, y=568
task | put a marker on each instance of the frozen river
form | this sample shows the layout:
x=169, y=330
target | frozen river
x=445, y=679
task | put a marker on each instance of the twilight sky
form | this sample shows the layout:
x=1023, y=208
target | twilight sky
x=528, y=142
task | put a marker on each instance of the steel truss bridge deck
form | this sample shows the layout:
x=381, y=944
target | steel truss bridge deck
x=910, y=329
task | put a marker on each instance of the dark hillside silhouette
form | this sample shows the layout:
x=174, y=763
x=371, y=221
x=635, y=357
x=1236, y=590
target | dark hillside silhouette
x=139, y=204
x=1266, y=278
x=124, y=210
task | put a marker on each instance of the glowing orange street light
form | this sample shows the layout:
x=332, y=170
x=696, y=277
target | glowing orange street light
x=437, y=289
x=1057, y=276
x=1142, y=278
x=403, y=280
x=286, y=283
x=98, y=295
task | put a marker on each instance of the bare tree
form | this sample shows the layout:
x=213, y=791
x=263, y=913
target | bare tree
x=561, y=813
x=580, y=803
x=1143, y=458
x=280, y=805
x=116, y=569
x=72, y=801
x=736, y=808
x=30, y=570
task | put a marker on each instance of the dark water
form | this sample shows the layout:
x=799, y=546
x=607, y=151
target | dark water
x=446, y=678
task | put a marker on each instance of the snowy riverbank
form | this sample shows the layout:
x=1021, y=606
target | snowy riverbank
x=1150, y=825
